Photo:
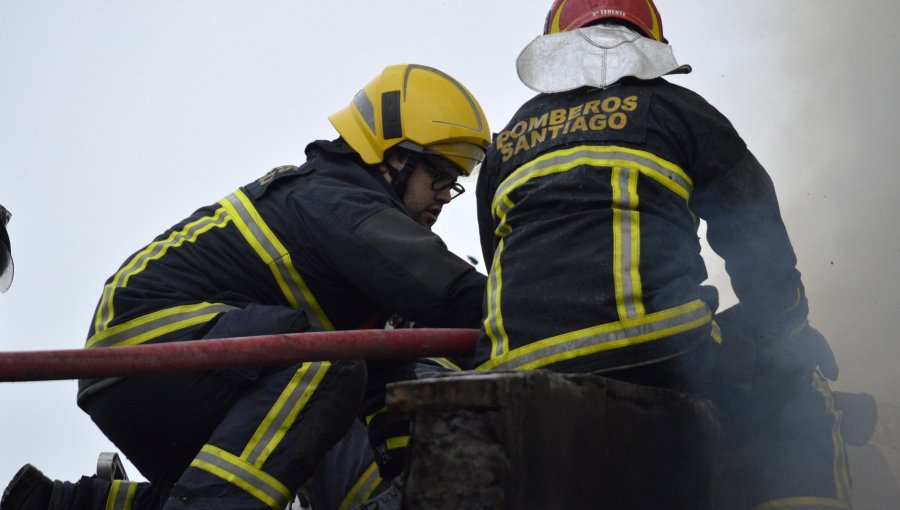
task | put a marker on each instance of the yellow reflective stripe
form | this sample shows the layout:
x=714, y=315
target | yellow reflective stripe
x=153, y=325
x=603, y=337
x=803, y=503
x=273, y=253
x=715, y=332
x=283, y=414
x=839, y=461
x=238, y=472
x=626, y=243
x=446, y=363
x=372, y=416
x=362, y=489
x=504, y=228
x=668, y=174
x=493, y=322
x=121, y=495
x=397, y=442
x=153, y=251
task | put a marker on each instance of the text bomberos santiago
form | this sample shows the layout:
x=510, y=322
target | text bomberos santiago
x=597, y=115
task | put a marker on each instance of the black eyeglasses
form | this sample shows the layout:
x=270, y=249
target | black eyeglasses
x=443, y=180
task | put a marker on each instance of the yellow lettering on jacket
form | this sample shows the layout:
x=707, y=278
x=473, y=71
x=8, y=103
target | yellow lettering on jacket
x=596, y=115
x=271, y=174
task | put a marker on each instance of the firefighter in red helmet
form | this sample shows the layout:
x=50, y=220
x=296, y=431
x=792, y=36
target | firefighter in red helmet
x=589, y=202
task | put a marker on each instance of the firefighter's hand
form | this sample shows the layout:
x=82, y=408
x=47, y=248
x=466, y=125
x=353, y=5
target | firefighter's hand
x=803, y=350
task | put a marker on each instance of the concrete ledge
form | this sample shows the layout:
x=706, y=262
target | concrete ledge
x=514, y=440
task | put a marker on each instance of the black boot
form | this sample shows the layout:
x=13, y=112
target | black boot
x=30, y=490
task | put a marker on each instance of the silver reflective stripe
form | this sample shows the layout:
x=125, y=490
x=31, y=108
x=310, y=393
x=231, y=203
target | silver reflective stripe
x=625, y=241
x=668, y=175
x=493, y=322
x=121, y=495
x=503, y=208
x=153, y=325
x=242, y=477
x=444, y=362
x=273, y=253
x=803, y=503
x=153, y=251
x=842, y=487
x=361, y=100
x=362, y=489
x=285, y=411
x=552, y=351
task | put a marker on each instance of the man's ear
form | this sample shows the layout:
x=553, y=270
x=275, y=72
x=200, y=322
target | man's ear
x=394, y=161
x=385, y=171
x=392, y=164
x=389, y=163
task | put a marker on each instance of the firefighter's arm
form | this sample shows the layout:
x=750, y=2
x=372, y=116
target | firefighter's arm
x=411, y=270
x=392, y=259
x=745, y=227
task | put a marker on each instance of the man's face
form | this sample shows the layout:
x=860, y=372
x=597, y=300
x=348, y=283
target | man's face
x=423, y=201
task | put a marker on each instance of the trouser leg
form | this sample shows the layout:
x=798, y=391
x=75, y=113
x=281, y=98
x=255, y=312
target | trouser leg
x=164, y=423
x=93, y=493
x=349, y=474
x=784, y=444
x=271, y=439
x=786, y=447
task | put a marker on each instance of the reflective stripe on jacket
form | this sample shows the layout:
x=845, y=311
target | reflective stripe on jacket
x=329, y=237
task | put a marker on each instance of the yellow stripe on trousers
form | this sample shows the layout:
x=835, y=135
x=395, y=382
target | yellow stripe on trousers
x=247, y=469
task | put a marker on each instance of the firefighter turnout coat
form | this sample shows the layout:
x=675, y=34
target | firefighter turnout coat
x=589, y=203
x=328, y=237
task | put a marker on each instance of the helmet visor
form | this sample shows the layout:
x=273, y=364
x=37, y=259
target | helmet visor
x=465, y=156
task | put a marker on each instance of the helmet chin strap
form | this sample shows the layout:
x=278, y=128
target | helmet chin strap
x=400, y=178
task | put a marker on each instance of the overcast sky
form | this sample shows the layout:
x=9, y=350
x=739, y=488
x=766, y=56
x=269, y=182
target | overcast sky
x=119, y=118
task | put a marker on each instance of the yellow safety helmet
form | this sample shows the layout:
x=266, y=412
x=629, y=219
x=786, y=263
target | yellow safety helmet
x=419, y=108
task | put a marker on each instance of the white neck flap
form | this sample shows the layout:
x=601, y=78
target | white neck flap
x=595, y=56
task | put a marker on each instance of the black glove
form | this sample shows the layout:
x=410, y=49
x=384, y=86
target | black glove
x=750, y=350
x=804, y=350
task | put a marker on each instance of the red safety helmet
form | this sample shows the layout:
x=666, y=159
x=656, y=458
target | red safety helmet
x=567, y=15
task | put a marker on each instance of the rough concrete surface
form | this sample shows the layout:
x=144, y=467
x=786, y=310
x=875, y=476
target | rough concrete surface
x=543, y=440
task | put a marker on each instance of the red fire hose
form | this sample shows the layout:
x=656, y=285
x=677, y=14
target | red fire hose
x=211, y=354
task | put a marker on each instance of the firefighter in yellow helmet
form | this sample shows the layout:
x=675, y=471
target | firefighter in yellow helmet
x=339, y=242
x=589, y=201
